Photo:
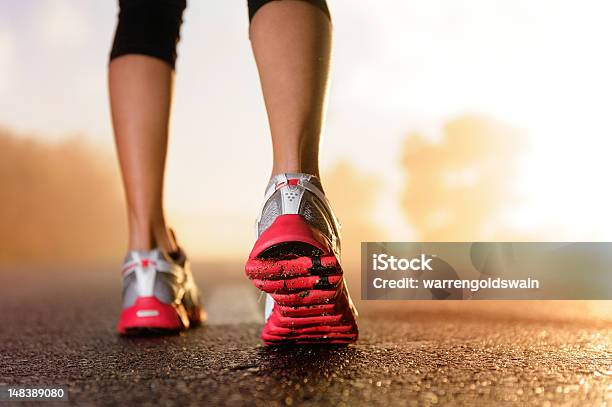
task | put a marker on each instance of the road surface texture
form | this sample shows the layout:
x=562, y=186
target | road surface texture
x=57, y=328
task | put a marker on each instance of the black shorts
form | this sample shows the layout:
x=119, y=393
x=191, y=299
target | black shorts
x=152, y=27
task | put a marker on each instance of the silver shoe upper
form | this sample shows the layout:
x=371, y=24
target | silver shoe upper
x=302, y=194
x=155, y=274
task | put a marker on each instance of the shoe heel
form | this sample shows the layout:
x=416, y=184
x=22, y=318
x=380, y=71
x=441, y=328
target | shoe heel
x=149, y=314
x=290, y=228
x=293, y=263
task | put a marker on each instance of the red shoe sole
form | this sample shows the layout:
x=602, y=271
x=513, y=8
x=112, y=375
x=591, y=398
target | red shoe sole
x=311, y=303
x=149, y=315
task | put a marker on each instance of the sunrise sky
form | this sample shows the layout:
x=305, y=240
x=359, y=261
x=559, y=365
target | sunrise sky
x=541, y=68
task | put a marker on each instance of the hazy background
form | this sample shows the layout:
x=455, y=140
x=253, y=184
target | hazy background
x=448, y=120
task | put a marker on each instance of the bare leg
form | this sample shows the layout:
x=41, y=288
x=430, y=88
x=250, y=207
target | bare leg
x=291, y=41
x=140, y=94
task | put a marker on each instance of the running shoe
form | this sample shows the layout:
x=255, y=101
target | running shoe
x=295, y=261
x=159, y=294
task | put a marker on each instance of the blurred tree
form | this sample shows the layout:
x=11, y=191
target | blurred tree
x=456, y=187
x=58, y=202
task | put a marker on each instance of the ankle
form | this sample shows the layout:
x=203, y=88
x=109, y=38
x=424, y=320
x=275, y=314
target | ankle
x=303, y=159
x=150, y=234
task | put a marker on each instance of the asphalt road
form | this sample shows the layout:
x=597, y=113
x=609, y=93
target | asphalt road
x=57, y=328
